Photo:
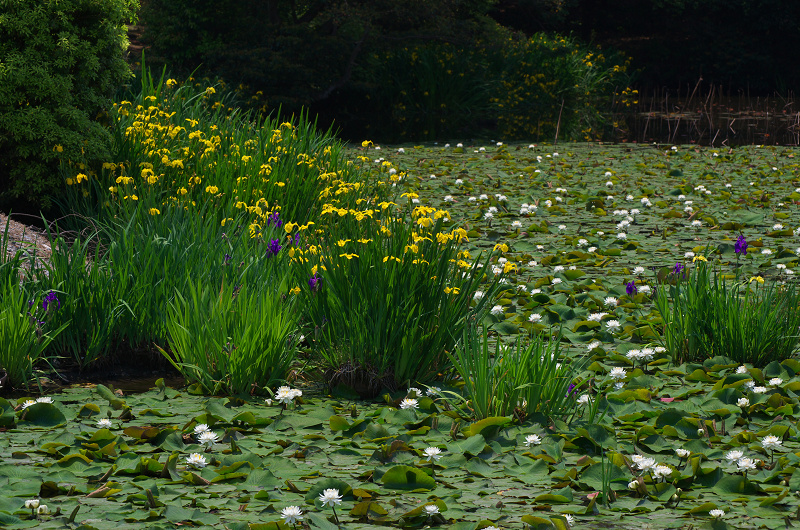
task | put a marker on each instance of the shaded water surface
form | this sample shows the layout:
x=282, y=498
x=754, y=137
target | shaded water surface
x=713, y=118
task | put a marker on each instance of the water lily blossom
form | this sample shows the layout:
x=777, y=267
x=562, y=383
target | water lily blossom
x=200, y=429
x=433, y=453
x=330, y=497
x=292, y=514
x=409, y=403
x=196, y=460
x=532, y=439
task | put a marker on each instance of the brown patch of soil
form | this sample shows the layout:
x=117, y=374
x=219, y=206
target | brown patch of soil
x=24, y=238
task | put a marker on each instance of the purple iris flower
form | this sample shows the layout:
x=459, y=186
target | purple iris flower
x=274, y=220
x=313, y=282
x=630, y=288
x=51, y=298
x=678, y=268
x=274, y=246
x=741, y=246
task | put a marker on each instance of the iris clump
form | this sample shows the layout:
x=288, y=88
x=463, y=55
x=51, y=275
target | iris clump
x=704, y=315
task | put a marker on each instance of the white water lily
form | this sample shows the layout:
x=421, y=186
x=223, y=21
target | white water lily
x=771, y=442
x=292, y=514
x=409, y=403
x=532, y=439
x=196, y=460
x=330, y=497
x=200, y=429
x=208, y=438
x=433, y=453
x=661, y=472
x=286, y=395
x=617, y=373
x=745, y=464
x=733, y=455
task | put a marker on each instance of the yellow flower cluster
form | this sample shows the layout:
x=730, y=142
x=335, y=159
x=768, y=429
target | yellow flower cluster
x=177, y=160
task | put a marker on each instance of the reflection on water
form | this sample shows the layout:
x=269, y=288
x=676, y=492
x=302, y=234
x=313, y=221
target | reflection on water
x=713, y=118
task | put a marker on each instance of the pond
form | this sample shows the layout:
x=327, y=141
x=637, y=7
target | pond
x=715, y=118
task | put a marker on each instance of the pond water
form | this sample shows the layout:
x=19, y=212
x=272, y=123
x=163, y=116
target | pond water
x=714, y=119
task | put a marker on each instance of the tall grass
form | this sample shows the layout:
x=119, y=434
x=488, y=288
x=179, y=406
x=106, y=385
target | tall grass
x=92, y=298
x=234, y=339
x=26, y=329
x=703, y=315
x=520, y=379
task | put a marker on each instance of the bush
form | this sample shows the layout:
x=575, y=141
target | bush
x=555, y=85
x=526, y=88
x=61, y=61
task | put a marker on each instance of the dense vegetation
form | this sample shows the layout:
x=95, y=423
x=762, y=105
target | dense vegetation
x=478, y=336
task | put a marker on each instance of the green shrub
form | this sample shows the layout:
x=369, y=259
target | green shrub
x=525, y=87
x=61, y=61
x=553, y=84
